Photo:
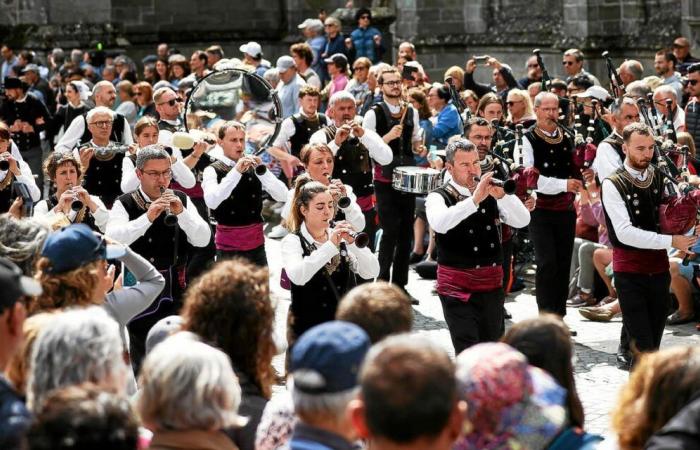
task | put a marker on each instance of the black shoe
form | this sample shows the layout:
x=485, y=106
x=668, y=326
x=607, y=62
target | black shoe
x=414, y=301
x=415, y=258
x=572, y=332
x=506, y=314
x=623, y=359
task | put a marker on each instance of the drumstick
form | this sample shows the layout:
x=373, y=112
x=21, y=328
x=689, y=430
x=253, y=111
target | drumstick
x=404, y=113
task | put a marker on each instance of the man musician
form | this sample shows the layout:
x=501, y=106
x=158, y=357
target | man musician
x=13, y=169
x=233, y=190
x=466, y=215
x=160, y=225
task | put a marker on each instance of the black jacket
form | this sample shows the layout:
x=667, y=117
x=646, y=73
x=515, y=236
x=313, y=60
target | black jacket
x=682, y=432
x=14, y=417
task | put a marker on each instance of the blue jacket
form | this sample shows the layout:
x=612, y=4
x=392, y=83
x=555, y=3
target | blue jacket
x=448, y=124
x=363, y=41
x=317, y=44
x=14, y=417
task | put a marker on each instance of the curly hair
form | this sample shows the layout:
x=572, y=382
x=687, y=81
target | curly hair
x=660, y=386
x=58, y=159
x=21, y=241
x=64, y=290
x=229, y=307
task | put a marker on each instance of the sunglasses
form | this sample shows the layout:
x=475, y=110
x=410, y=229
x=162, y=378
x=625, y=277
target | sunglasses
x=511, y=103
x=692, y=82
x=364, y=17
x=171, y=102
x=567, y=63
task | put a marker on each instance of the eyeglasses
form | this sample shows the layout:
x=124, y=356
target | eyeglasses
x=155, y=174
x=364, y=16
x=692, y=82
x=102, y=123
x=567, y=63
x=359, y=68
x=392, y=83
x=533, y=66
x=513, y=102
x=171, y=102
x=328, y=25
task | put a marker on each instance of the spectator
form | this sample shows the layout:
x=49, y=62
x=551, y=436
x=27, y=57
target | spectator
x=380, y=309
x=127, y=107
x=21, y=241
x=503, y=79
x=510, y=401
x=660, y=386
x=14, y=417
x=82, y=417
x=358, y=85
x=189, y=394
x=8, y=60
x=253, y=56
x=324, y=366
x=572, y=61
x=419, y=101
x=214, y=54
x=408, y=396
x=490, y=108
x=519, y=109
x=81, y=345
x=335, y=41
x=313, y=32
x=408, y=50
x=149, y=74
x=665, y=65
x=198, y=65
x=19, y=367
x=289, y=85
x=681, y=50
x=470, y=98
x=337, y=69
x=366, y=40
x=303, y=56
x=546, y=343
x=144, y=100
x=456, y=76
x=534, y=73
x=39, y=87
x=375, y=95
x=109, y=73
x=229, y=307
x=162, y=70
x=631, y=70
x=446, y=122
x=179, y=69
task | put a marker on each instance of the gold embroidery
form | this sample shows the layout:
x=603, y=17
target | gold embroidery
x=7, y=181
x=140, y=201
x=639, y=183
x=222, y=166
x=550, y=140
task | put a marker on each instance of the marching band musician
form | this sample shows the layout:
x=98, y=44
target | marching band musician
x=319, y=259
x=553, y=225
x=143, y=219
x=353, y=147
x=631, y=199
x=71, y=203
x=318, y=162
x=233, y=190
x=609, y=155
x=398, y=125
x=466, y=216
x=146, y=133
x=17, y=170
x=102, y=172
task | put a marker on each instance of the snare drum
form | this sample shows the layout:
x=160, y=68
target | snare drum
x=416, y=180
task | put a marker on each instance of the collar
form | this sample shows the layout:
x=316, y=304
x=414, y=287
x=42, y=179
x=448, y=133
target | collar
x=301, y=111
x=144, y=195
x=307, y=235
x=639, y=175
x=306, y=432
x=393, y=109
x=550, y=134
x=23, y=99
x=94, y=144
x=461, y=189
x=225, y=159
x=175, y=122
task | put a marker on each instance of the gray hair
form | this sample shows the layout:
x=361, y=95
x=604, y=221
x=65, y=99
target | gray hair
x=58, y=55
x=666, y=89
x=21, y=241
x=576, y=53
x=99, y=110
x=638, y=89
x=340, y=96
x=464, y=145
x=539, y=98
x=635, y=68
x=329, y=406
x=378, y=68
x=79, y=345
x=272, y=76
x=155, y=151
x=100, y=85
x=616, y=107
x=187, y=384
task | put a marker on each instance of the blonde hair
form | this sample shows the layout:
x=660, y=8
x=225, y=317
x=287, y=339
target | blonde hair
x=308, y=149
x=186, y=384
x=652, y=81
x=19, y=367
x=685, y=138
x=524, y=96
x=455, y=72
x=305, y=189
x=64, y=290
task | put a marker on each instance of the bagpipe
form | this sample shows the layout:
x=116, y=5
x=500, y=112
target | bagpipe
x=508, y=164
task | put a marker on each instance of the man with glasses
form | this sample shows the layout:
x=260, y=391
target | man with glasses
x=138, y=219
x=572, y=61
x=78, y=131
x=677, y=115
x=692, y=110
x=366, y=40
x=681, y=49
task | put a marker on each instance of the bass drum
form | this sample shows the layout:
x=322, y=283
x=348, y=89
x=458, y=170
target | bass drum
x=416, y=180
x=233, y=93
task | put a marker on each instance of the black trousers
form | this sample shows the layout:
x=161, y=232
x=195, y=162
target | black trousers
x=552, y=234
x=256, y=256
x=478, y=320
x=507, y=257
x=202, y=257
x=644, y=301
x=371, y=226
x=395, y=211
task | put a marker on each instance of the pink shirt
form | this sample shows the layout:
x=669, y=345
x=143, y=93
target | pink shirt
x=338, y=84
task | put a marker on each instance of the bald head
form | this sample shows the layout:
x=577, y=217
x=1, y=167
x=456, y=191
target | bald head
x=104, y=94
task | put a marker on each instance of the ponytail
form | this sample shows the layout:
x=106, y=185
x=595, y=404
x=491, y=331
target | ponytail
x=305, y=189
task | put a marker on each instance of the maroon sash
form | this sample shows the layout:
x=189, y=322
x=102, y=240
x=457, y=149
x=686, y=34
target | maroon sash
x=461, y=283
x=366, y=202
x=644, y=261
x=243, y=238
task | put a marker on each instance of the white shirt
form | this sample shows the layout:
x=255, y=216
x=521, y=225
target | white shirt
x=181, y=173
x=287, y=130
x=101, y=214
x=125, y=231
x=300, y=269
x=606, y=161
x=443, y=218
x=377, y=148
x=25, y=175
x=165, y=137
x=616, y=209
x=215, y=192
x=678, y=119
x=353, y=213
x=76, y=129
x=370, y=121
x=545, y=185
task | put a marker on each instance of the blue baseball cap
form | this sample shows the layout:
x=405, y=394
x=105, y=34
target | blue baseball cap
x=75, y=246
x=327, y=358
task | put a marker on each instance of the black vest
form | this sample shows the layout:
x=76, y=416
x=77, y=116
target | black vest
x=244, y=205
x=615, y=142
x=552, y=159
x=642, y=200
x=303, y=129
x=6, y=194
x=163, y=125
x=82, y=216
x=476, y=241
x=352, y=165
x=401, y=147
x=316, y=301
x=117, y=130
x=103, y=178
x=158, y=242
x=692, y=121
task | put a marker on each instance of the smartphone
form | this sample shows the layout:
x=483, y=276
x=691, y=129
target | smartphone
x=408, y=72
x=481, y=59
x=20, y=189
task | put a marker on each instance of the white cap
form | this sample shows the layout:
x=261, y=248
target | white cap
x=310, y=23
x=284, y=63
x=596, y=92
x=252, y=48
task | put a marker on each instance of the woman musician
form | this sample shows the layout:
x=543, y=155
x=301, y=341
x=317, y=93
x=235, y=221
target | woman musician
x=319, y=162
x=319, y=260
x=146, y=133
x=71, y=203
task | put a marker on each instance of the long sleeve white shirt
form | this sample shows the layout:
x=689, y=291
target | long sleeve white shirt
x=25, y=175
x=353, y=213
x=606, y=161
x=370, y=121
x=127, y=231
x=215, y=192
x=443, y=218
x=616, y=209
x=378, y=150
x=181, y=173
x=76, y=129
x=545, y=185
x=287, y=130
x=101, y=214
x=300, y=269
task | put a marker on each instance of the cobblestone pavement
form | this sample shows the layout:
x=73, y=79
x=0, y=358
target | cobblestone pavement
x=597, y=378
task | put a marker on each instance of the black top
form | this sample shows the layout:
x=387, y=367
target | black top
x=117, y=130
x=83, y=216
x=352, y=164
x=103, y=178
x=28, y=111
x=303, y=129
x=6, y=194
x=244, y=205
x=63, y=118
x=553, y=157
x=401, y=147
